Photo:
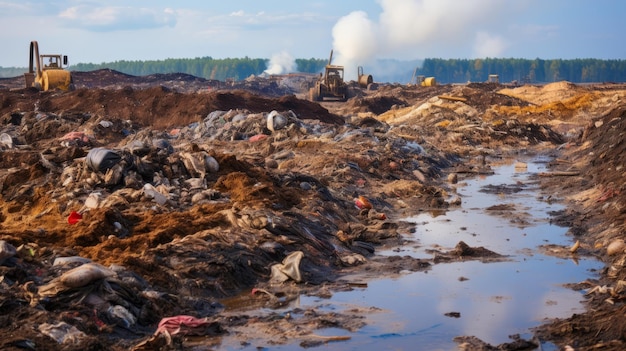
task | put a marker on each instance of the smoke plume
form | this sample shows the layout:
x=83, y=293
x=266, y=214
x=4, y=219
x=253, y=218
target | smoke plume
x=412, y=29
x=281, y=63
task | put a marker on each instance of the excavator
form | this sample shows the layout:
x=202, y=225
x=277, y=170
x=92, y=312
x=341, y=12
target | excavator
x=46, y=72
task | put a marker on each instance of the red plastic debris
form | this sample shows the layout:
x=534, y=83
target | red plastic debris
x=74, y=217
x=257, y=137
x=363, y=203
x=180, y=324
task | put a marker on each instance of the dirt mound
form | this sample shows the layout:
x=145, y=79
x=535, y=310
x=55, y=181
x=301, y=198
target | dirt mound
x=275, y=86
x=565, y=107
x=375, y=105
x=540, y=95
x=158, y=106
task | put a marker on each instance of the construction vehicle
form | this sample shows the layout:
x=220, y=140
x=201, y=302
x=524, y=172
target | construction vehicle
x=493, y=78
x=46, y=72
x=422, y=80
x=330, y=85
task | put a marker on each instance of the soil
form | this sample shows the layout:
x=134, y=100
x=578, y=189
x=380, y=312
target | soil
x=210, y=192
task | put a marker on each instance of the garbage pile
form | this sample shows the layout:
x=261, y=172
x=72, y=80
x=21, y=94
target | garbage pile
x=112, y=226
x=127, y=214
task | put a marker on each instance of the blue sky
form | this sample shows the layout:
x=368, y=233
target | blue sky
x=357, y=30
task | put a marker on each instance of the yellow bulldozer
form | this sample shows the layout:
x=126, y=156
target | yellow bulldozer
x=46, y=72
x=330, y=85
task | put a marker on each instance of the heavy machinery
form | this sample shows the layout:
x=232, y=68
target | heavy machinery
x=46, y=72
x=422, y=80
x=330, y=85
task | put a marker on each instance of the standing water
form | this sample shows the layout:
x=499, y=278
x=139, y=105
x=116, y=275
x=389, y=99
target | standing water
x=426, y=310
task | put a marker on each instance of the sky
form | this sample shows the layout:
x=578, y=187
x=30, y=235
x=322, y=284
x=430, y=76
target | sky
x=358, y=31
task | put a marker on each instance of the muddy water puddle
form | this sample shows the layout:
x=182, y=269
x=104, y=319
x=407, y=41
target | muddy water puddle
x=503, y=212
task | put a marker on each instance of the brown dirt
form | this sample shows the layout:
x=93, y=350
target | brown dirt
x=218, y=232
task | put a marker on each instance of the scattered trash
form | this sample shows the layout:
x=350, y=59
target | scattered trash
x=75, y=138
x=152, y=193
x=276, y=121
x=105, y=124
x=74, y=217
x=6, y=140
x=101, y=159
x=617, y=246
x=121, y=313
x=362, y=202
x=93, y=200
x=235, y=207
x=187, y=325
x=76, y=278
x=575, y=247
x=62, y=332
x=258, y=137
x=59, y=261
x=289, y=269
x=6, y=251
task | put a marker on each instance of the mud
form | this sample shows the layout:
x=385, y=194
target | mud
x=211, y=194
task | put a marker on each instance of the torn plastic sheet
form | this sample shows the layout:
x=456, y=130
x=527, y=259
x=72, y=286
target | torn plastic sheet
x=289, y=269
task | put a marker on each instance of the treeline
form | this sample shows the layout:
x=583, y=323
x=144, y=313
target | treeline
x=205, y=67
x=444, y=70
x=524, y=70
x=10, y=72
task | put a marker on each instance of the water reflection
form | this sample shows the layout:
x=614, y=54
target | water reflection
x=491, y=300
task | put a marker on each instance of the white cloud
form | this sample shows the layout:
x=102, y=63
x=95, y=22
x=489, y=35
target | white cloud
x=7, y=8
x=103, y=19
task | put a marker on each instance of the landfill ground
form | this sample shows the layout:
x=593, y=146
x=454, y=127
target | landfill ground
x=212, y=199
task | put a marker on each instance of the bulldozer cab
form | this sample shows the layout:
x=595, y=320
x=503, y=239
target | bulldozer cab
x=47, y=72
x=53, y=61
x=334, y=72
x=334, y=75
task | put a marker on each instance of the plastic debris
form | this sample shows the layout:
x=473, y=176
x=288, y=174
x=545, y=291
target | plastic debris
x=6, y=140
x=6, y=251
x=183, y=325
x=289, y=269
x=152, y=193
x=257, y=137
x=121, y=313
x=74, y=217
x=62, y=332
x=362, y=202
x=101, y=159
x=75, y=278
